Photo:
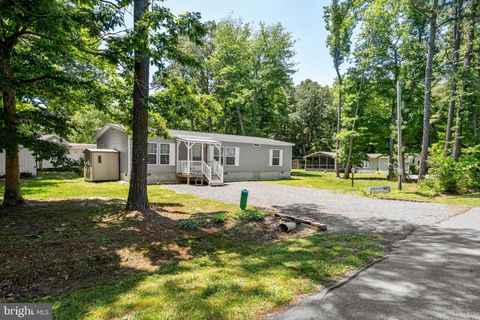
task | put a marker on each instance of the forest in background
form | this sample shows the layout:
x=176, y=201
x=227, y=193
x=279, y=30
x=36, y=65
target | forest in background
x=241, y=82
x=235, y=77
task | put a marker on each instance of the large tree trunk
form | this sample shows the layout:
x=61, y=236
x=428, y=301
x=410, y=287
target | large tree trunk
x=465, y=87
x=240, y=120
x=475, y=124
x=346, y=173
x=137, y=194
x=453, y=90
x=428, y=88
x=339, y=121
x=12, y=194
x=209, y=122
x=391, y=143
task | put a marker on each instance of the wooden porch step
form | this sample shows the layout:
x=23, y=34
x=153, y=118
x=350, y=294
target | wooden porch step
x=216, y=183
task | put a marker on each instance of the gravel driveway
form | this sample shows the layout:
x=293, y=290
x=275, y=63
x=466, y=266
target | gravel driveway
x=341, y=212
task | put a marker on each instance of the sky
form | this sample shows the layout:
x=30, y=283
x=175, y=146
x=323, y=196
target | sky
x=303, y=18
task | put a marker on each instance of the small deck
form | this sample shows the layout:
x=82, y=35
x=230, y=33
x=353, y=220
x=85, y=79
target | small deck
x=211, y=172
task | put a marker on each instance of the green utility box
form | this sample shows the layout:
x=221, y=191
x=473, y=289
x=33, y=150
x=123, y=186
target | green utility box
x=243, y=199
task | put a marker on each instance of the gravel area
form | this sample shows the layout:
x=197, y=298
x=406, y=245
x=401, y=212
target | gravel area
x=341, y=212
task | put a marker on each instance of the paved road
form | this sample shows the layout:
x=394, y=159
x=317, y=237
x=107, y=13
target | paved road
x=433, y=274
x=339, y=211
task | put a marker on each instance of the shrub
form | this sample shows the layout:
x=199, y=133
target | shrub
x=220, y=218
x=469, y=164
x=428, y=188
x=189, y=225
x=251, y=215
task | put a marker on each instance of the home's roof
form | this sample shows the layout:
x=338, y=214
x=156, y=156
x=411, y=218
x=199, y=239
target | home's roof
x=105, y=128
x=48, y=137
x=82, y=145
x=333, y=154
x=215, y=137
x=228, y=138
x=101, y=150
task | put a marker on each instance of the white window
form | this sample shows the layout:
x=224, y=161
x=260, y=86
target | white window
x=276, y=157
x=218, y=154
x=232, y=156
x=152, y=153
x=164, y=153
x=366, y=164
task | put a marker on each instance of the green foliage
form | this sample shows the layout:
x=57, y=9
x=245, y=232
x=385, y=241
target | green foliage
x=311, y=118
x=456, y=176
x=51, y=69
x=86, y=122
x=339, y=22
x=189, y=225
x=428, y=188
x=240, y=83
x=251, y=214
x=220, y=218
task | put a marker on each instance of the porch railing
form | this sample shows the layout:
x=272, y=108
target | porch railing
x=200, y=167
x=189, y=167
x=218, y=170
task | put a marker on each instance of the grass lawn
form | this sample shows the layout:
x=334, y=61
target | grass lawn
x=321, y=180
x=74, y=245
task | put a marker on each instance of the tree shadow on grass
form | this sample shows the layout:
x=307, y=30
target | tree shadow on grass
x=226, y=278
x=93, y=256
x=51, y=247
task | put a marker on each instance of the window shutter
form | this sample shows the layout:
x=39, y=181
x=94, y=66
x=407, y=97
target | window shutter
x=171, y=160
x=237, y=156
x=281, y=158
x=270, y=157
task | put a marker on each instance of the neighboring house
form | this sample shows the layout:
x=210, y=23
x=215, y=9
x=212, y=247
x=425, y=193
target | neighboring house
x=186, y=154
x=75, y=150
x=27, y=162
x=325, y=160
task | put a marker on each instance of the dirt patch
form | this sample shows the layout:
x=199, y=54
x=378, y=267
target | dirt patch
x=52, y=247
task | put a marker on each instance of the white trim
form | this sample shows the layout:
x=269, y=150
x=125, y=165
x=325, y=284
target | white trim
x=159, y=153
x=237, y=156
x=129, y=156
x=156, y=154
x=280, y=158
x=172, y=154
x=211, y=152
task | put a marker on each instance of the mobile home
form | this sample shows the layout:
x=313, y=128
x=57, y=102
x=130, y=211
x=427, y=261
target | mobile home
x=189, y=155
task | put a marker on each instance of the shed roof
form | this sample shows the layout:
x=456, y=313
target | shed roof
x=102, y=150
x=217, y=137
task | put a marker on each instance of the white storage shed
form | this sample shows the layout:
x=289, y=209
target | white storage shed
x=102, y=165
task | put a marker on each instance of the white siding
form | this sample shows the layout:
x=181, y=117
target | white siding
x=115, y=139
x=27, y=162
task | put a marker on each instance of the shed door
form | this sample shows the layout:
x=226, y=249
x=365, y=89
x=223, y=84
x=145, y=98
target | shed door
x=106, y=166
